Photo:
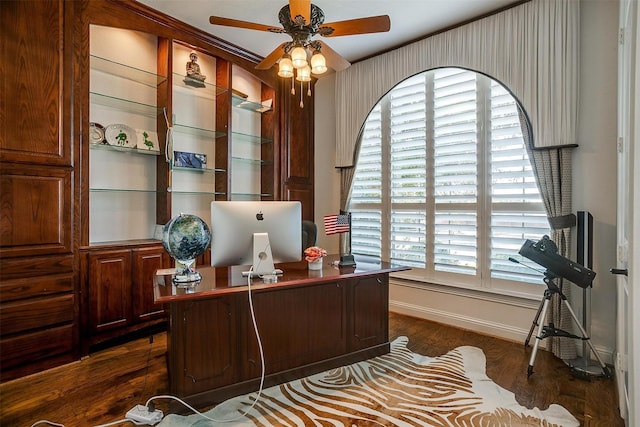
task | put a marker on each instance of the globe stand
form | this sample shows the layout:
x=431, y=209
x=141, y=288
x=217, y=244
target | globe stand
x=186, y=278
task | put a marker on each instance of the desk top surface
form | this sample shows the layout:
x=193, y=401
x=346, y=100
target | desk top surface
x=227, y=280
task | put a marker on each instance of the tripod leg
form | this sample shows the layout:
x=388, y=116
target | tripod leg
x=538, y=335
x=586, y=338
x=535, y=322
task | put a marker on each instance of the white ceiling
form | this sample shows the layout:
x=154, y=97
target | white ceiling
x=410, y=20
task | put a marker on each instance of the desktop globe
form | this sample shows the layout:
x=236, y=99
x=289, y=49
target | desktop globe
x=185, y=237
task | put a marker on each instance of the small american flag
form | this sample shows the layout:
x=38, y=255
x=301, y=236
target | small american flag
x=337, y=223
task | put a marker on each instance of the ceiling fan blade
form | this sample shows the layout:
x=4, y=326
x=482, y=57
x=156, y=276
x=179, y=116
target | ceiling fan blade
x=228, y=22
x=302, y=8
x=334, y=59
x=373, y=24
x=272, y=58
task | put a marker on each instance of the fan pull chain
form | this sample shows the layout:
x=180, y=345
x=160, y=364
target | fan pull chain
x=301, y=89
x=309, y=88
x=293, y=86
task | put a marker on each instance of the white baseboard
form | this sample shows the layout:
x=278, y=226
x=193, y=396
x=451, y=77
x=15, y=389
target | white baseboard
x=507, y=321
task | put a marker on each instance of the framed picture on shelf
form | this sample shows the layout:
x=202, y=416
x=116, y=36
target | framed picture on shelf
x=185, y=159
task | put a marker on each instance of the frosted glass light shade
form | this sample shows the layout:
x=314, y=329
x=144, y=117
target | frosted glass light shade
x=285, y=67
x=304, y=74
x=299, y=57
x=318, y=63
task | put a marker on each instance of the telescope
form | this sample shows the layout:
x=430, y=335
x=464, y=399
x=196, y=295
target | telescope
x=545, y=253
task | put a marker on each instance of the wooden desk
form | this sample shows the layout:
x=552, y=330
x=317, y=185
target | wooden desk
x=308, y=321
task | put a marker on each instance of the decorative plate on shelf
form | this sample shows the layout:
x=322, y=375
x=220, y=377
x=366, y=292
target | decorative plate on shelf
x=96, y=133
x=121, y=135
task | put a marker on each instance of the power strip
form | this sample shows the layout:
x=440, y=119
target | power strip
x=141, y=415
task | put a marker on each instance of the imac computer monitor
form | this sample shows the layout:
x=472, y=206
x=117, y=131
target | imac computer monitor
x=257, y=233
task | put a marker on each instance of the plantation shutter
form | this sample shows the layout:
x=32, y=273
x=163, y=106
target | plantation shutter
x=515, y=200
x=408, y=172
x=455, y=138
x=366, y=189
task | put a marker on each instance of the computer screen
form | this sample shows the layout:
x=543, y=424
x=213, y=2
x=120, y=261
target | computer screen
x=257, y=233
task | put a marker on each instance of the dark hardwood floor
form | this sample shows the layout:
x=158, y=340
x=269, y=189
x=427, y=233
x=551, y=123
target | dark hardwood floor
x=102, y=387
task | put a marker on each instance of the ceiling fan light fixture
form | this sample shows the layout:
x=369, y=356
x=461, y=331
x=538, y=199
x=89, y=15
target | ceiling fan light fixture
x=285, y=67
x=299, y=57
x=318, y=63
x=304, y=74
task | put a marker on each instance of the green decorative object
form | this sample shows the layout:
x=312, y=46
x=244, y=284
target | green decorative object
x=185, y=237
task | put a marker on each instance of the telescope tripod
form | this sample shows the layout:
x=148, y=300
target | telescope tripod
x=551, y=331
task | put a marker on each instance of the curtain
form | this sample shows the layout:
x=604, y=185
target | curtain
x=552, y=169
x=531, y=48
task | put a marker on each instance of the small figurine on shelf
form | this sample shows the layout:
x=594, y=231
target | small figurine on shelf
x=194, y=77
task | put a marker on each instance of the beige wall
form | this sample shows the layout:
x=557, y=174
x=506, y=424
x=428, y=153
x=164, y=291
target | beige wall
x=594, y=184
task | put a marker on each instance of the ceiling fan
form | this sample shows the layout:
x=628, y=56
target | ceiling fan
x=302, y=21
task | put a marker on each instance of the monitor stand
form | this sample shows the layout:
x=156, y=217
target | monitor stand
x=263, y=260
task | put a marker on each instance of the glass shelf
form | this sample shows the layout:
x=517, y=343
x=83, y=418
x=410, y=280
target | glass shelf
x=130, y=73
x=251, y=194
x=206, y=90
x=251, y=161
x=190, y=130
x=254, y=139
x=122, y=190
x=242, y=103
x=126, y=105
x=195, y=193
x=129, y=150
x=196, y=170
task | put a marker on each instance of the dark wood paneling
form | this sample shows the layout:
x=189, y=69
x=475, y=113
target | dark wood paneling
x=305, y=196
x=368, y=300
x=296, y=152
x=269, y=129
x=34, y=287
x=299, y=166
x=31, y=64
x=109, y=290
x=305, y=322
x=21, y=316
x=18, y=268
x=197, y=365
x=145, y=263
x=35, y=210
x=34, y=347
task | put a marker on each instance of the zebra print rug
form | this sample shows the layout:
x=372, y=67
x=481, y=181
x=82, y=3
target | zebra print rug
x=401, y=388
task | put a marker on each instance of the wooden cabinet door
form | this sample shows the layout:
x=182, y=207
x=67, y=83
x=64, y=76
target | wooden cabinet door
x=37, y=76
x=145, y=263
x=203, y=345
x=297, y=327
x=109, y=290
x=369, y=311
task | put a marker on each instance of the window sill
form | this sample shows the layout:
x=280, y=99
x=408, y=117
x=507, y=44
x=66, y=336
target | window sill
x=503, y=296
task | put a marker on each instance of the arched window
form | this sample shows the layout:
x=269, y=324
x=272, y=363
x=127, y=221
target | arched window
x=443, y=181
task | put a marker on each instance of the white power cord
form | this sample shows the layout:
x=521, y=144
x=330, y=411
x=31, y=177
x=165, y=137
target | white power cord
x=262, y=375
x=155, y=414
